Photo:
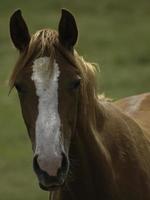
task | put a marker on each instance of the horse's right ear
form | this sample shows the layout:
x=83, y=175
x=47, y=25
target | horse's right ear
x=19, y=31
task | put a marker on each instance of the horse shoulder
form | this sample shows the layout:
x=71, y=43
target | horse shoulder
x=129, y=149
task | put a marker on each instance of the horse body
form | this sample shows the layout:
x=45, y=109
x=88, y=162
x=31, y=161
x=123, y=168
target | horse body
x=85, y=147
x=114, y=163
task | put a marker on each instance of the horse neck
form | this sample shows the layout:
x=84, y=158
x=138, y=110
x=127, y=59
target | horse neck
x=92, y=162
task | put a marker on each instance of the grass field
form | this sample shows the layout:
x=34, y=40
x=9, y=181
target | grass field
x=113, y=33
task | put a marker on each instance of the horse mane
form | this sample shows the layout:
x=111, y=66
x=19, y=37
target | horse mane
x=45, y=43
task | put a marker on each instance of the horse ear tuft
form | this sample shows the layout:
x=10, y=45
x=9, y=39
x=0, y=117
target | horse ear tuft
x=19, y=31
x=68, y=32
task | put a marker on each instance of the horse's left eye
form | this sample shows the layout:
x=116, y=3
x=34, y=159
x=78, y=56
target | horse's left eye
x=75, y=84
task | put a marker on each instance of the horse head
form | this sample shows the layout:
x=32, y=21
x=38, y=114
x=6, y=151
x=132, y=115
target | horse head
x=48, y=85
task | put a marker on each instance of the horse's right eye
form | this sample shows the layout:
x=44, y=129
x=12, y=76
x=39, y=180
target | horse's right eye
x=20, y=88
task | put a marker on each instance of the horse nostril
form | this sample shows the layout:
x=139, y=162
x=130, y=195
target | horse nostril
x=35, y=164
x=64, y=162
x=64, y=166
x=40, y=173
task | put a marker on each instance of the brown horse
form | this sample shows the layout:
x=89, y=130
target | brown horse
x=85, y=147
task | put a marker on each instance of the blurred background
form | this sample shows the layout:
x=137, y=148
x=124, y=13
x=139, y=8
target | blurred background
x=113, y=33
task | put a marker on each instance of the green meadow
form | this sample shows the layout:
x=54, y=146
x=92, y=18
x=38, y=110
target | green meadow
x=113, y=33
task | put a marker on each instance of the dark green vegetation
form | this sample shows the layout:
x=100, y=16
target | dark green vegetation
x=115, y=34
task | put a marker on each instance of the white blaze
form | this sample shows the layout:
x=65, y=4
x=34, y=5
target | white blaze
x=47, y=130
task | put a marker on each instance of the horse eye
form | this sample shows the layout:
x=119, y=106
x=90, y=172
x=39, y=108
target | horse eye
x=19, y=88
x=75, y=84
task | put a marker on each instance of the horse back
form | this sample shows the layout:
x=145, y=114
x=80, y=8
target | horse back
x=138, y=108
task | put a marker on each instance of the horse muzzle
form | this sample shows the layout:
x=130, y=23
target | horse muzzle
x=56, y=180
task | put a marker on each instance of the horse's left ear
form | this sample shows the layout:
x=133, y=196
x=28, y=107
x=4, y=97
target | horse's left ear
x=68, y=32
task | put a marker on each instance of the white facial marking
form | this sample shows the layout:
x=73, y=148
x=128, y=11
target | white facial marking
x=47, y=128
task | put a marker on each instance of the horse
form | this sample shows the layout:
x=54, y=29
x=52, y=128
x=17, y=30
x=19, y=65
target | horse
x=85, y=146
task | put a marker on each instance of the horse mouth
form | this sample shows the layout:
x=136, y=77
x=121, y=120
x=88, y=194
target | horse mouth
x=50, y=188
x=51, y=183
